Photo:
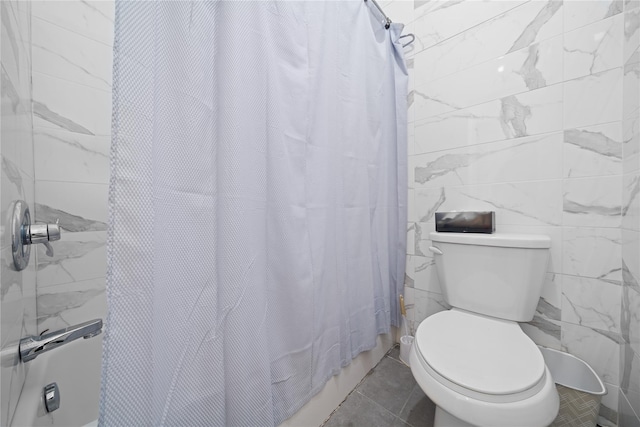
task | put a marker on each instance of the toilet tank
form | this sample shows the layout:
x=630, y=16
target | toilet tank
x=499, y=275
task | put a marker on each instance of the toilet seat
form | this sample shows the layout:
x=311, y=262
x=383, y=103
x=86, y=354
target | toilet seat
x=481, y=357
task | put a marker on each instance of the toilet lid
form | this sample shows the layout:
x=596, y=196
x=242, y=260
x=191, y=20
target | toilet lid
x=483, y=354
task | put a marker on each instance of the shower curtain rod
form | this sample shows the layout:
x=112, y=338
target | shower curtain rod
x=387, y=20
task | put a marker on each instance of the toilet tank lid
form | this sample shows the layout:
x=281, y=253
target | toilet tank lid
x=497, y=239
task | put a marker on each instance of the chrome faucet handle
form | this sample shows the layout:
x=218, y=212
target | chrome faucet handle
x=31, y=347
x=42, y=233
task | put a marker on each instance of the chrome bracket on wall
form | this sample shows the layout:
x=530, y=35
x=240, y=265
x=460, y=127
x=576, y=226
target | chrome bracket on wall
x=24, y=234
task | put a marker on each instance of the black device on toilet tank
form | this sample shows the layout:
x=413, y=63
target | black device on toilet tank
x=466, y=222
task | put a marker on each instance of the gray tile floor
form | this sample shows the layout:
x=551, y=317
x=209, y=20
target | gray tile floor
x=387, y=396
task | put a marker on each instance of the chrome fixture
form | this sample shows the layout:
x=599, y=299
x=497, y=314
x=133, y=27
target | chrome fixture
x=31, y=347
x=51, y=397
x=24, y=234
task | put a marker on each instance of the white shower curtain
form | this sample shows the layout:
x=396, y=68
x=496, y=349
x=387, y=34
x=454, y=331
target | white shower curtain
x=257, y=206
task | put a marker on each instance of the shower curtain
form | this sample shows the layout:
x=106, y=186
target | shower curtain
x=257, y=206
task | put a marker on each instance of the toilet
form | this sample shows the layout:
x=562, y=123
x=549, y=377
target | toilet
x=474, y=361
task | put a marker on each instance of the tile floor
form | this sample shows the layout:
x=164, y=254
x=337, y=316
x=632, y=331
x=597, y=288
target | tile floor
x=387, y=396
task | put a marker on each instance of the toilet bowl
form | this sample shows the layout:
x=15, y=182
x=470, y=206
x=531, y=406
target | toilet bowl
x=474, y=361
x=482, y=372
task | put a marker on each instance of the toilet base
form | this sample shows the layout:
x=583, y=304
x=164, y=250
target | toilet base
x=445, y=419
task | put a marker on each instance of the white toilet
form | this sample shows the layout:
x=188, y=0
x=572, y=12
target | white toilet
x=473, y=361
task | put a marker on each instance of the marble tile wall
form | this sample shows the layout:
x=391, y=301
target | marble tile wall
x=530, y=109
x=17, y=288
x=72, y=68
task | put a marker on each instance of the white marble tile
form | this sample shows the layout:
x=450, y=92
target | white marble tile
x=80, y=206
x=77, y=257
x=410, y=139
x=409, y=304
x=631, y=33
x=550, y=303
x=521, y=203
x=492, y=39
x=593, y=99
x=578, y=13
x=631, y=117
x=421, y=238
x=409, y=271
x=630, y=376
x=631, y=202
x=531, y=68
x=93, y=19
x=593, y=151
x=594, y=48
x=592, y=252
x=599, y=349
x=436, y=21
x=522, y=159
x=527, y=114
x=399, y=11
x=543, y=332
x=68, y=55
x=426, y=277
x=60, y=104
x=591, y=303
x=631, y=4
x=411, y=238
x=595, y=202
x=631, y=258
x=426, y=304
x=630, y=319
x=411, y=206
x=71, y=157
x=61, y=306
x=626, y=417
x=608, y=416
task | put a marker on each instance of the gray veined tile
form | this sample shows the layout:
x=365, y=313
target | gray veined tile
x=76, y=257
x=530, y=68
x=593, y=202
x=592, y=303
x=42, y=111
x=594, y=48
x=61, y=104
x=583, y=12
x=487, y=41
x=530, y=32
x=13, y=175
x=439, y=20
x=71, y=56
x=543, y=331
x=631, y=202
x=527, y=114
x=630, y=317
x=68, y=222
x=630, y=376
x=93, y=19
x=592, y=252
x=593, y=99
x=593, y=151
x=627, y=417
x=64, y=305
x=520, y=159
x=599, y=349
x=57, y=150
x=631, y=33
